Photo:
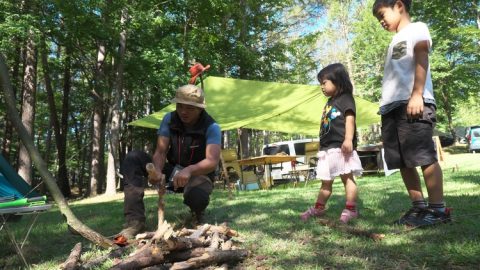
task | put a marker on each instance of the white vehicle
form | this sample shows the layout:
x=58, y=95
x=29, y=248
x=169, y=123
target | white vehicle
x=305, y=150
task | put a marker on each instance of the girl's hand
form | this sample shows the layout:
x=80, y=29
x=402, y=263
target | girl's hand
x=347, y=147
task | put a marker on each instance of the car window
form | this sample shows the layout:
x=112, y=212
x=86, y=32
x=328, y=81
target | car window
x=299, y=148
x=476, y=132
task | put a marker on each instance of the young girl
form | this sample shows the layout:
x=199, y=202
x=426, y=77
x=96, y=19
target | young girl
x=338, y=140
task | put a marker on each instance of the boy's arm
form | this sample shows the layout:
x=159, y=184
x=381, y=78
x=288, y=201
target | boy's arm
x=415, y=104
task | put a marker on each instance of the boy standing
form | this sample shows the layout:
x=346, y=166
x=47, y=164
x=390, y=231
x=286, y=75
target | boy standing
x=408, y=109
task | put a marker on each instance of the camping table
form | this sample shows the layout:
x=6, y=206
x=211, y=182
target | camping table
x=267, y=160
x=36, y=210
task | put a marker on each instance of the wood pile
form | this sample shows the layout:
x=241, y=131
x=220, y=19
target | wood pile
x=204, y=247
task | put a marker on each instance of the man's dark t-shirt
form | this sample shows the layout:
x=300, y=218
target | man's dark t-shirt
x=332, y=124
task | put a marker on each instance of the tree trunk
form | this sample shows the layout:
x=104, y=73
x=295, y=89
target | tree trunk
x=41, y=166
x=62, y=141
x=115, y=125
x=60, y=132
x=243, y=139
x=97, y=123
x=28, y=105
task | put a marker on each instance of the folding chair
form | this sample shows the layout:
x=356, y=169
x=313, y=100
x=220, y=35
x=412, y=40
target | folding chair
x=17, y=198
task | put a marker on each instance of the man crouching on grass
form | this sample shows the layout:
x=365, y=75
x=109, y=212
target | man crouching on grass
x=187, y=153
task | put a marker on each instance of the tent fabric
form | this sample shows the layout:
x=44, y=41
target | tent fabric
x=7, y=190
x=15, y=181
x=282, y=107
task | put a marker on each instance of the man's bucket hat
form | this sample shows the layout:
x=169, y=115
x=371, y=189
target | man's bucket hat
x=191, y=95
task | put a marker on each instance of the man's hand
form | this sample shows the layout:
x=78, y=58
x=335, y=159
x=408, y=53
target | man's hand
x=415, y=107
x=347, y=147
x=181, y=178
x=155, y=176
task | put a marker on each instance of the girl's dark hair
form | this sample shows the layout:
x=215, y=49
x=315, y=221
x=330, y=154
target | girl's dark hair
x=389, y=3
x=337, y=73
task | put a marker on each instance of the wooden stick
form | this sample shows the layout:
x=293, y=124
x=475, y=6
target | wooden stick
x=152, y=178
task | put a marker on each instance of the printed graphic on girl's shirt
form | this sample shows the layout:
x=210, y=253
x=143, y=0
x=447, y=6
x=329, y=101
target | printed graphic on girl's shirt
x=329, y=114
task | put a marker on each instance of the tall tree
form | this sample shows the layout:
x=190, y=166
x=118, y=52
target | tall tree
x=114, y=153
x=29, y=90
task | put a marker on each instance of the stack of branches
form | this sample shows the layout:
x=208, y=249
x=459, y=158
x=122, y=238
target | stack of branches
x=206, y=246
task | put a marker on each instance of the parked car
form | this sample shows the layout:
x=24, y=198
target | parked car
x=473, y=138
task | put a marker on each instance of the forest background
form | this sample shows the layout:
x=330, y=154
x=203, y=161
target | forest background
x=82, y=70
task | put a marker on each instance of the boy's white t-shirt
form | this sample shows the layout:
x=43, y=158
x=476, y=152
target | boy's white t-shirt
x=399, y=71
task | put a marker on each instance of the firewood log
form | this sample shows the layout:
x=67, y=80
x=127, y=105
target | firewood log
x=72, y=261
x=211, y=257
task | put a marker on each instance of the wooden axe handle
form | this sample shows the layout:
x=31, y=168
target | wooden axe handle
x=152, y=173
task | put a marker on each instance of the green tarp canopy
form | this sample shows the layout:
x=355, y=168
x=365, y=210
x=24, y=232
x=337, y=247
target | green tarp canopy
x=283, y=107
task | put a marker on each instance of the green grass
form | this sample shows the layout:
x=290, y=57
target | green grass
x=269, y=226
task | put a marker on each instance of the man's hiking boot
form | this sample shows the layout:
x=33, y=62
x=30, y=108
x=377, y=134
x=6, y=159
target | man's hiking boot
x=132, y=228
x=429, y=217
x=198, y=218
x=312, y=212
x=194, y=219
x=412, y=213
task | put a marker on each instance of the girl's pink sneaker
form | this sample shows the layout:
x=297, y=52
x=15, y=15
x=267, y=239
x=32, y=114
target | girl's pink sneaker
x=348, y=215
x=312, y=212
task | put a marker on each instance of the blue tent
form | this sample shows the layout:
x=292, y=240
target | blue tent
x=14, y=191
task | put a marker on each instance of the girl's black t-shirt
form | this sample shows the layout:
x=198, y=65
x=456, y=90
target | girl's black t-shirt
x=332, y=123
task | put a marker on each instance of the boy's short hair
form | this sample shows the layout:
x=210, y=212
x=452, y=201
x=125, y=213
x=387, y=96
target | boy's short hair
x=390, y=3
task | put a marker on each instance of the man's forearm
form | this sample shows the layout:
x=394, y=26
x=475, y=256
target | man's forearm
x=159, y=160
x=203, y=167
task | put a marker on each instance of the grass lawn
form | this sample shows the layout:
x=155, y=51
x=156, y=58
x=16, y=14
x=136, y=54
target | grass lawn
x=269, y=226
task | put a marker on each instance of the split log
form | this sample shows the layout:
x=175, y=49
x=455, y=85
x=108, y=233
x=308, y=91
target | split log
x=152, y=255
x=182, y=243
x=72, y=261
x=215, y=242
x=223, y=229
x=145, y=235
x=164, y=231
x=211, y=257
x=200, y=231
x=227, y=245
x=352, y=230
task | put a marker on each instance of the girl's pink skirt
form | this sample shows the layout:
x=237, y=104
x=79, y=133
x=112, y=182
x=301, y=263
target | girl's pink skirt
x=333, y=162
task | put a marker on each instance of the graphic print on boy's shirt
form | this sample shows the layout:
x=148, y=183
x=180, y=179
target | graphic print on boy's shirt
x=399, y=50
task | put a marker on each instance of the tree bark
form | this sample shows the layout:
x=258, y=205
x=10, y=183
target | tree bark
x=59, y=131
x=28, y=105
x=97, y=123
x=8, y=135
x=114, y=149
x=62, y=142
x=41, y=166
